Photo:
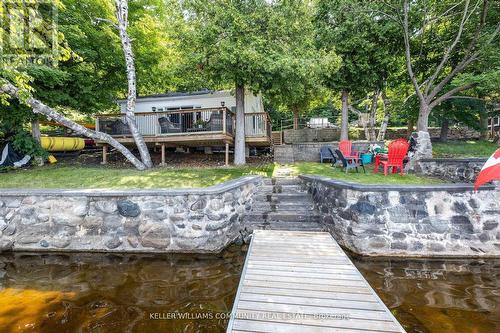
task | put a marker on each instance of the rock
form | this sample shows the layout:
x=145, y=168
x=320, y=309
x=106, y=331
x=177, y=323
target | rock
x=399, y=245
x=128, y=208
x=196, y=227
x=462, y=224
x=81, y=208
x=217, y=225
x=364, y=207
x=3, y=225
x=13, y=203
x=113, y=242
x=133, y=241
x=6, y=245
x=199, y=204
x=61, y=241
x=154, y=235
x=44, y=243
x=216, y=204
x=106, y=206
x=398, y=235
x=9, y=230
x=435, y=247
x=488, y=225
x=157, y=243
x=459, y=207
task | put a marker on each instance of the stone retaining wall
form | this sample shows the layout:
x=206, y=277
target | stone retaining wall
x=292, y=136
x=156, y=220
x=285, y=154
x=457, y=170
x=414, y=220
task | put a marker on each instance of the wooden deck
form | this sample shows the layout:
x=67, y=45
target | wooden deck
x=303, y=282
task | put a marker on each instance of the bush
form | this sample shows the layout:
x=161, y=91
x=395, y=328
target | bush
x=24, y=143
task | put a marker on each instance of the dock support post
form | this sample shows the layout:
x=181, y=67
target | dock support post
x=227, y=154
x=104, y=154
x=162, y=154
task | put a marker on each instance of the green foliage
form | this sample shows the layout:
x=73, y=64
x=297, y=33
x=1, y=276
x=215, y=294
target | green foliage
x=24, y=143
x=458, y=149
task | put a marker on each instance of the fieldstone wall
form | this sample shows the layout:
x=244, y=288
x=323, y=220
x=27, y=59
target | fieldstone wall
x=285, y=154
x=192, y=220
x=292, y=136
x=457, y=170
x=415, y=220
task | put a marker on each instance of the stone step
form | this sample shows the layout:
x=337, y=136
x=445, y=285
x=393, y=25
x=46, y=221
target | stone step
x=282, y=206
x=283, y=197
x=281, y=189
x=284, y=216
x=282, y=181
x=292, y=226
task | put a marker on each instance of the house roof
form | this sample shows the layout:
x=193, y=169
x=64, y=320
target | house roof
x=175, y=94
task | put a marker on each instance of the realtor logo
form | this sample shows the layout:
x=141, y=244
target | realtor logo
x=28, y=31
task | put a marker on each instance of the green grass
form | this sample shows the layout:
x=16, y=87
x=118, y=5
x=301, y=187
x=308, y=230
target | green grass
x=105, y=177
x=325, y=169
x=464, y=149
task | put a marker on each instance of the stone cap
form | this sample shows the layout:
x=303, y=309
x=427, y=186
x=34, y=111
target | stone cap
x=215, y=189
x=455, y=160
x=401, y=188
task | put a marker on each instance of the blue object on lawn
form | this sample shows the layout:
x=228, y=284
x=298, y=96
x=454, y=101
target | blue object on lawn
x=325, y=154
x=367, y=158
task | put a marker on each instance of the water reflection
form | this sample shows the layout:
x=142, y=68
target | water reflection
x=452, y=295
x=115, y=293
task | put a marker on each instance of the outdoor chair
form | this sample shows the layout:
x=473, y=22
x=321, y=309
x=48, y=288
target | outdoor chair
x=335, y=160
x=325, y=153
x=215, y=122
x=119, y=127
x=351, y=163
x=396, y=154
x=345, y=147
x=166, y=126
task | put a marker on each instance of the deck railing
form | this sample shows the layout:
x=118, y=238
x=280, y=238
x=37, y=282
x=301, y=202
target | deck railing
x=257, y=124
x=178, y=122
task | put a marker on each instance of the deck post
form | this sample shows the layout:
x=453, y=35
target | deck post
x=162, y=154
x=104, y=154
x=227, y=154
x=224, y=120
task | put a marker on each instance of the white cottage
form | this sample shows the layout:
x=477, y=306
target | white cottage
x=193, y=119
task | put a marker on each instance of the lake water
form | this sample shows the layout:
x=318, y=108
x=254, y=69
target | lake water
x=144, y=293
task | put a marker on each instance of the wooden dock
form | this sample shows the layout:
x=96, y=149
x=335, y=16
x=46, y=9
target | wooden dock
x=303, y=282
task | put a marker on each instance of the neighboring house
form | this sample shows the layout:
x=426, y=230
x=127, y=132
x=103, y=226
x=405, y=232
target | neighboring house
x=194, y=119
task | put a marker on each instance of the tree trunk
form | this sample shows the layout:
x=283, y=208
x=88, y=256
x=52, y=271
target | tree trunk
x=423, y=118
x=373, y=113
x=239, y=139
x=344, y=127
x=385, y=122
x=35, y=130
x=445, y=129
x=295, y=117
x=122, y=16
x=40, y=108
x=483, y=123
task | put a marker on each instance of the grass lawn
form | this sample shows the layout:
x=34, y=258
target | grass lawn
x=464, y=149
x=106, y=177
x=325, y=169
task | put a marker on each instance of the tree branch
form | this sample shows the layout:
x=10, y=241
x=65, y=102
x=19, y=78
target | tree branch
x=447, y=53
x=111, y=23
x=449, y=94
x=40, y=108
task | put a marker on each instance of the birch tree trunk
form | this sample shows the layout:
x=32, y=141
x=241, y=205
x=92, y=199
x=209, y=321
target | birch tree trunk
x=239, y=139
x=373, y=113
x=344, y=127
x=40, y=108
x=385, y=121
x=122, y=16
x=35, y=130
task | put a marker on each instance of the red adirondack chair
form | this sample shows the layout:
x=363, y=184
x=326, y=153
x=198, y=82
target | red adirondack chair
x=345, y=146
x=395, y=156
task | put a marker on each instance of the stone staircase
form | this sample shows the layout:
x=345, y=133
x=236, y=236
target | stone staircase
x=282, y=204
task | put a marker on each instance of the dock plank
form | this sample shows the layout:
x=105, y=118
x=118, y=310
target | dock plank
x=297, y=281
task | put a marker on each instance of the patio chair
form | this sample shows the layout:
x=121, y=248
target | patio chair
x=166, y=126
x=215, y=122
x=119, y=127
x=395, y=157
x=345, y=147
x=335, y=160
x=351, y=163
x=325, y=153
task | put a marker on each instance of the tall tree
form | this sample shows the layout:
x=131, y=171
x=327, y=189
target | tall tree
x=367, y=44
x=449, y=36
